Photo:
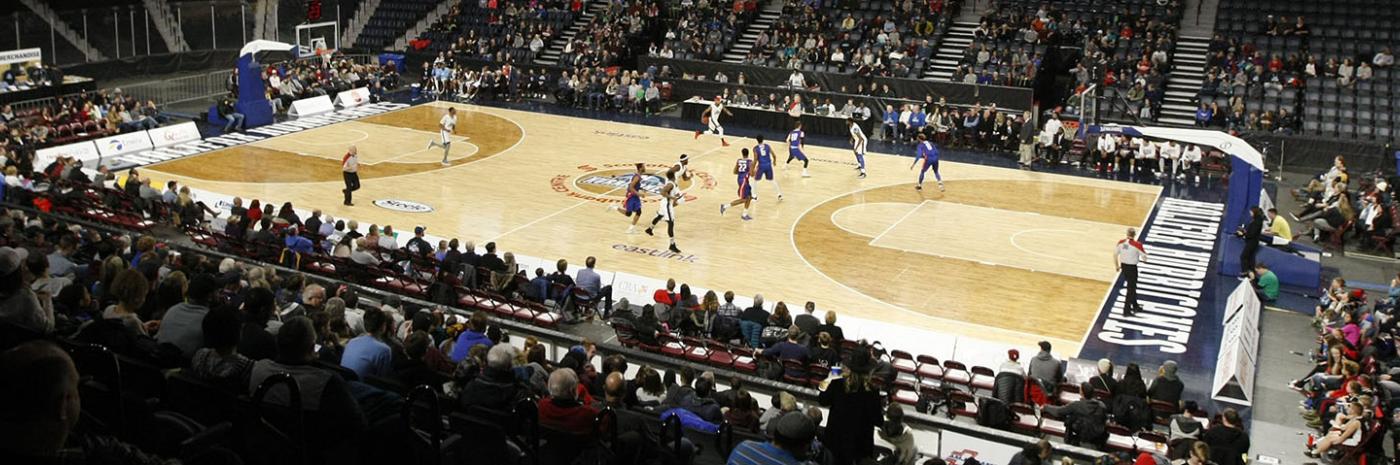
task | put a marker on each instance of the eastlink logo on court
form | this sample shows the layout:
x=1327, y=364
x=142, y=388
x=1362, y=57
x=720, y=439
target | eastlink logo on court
x=1179, y=242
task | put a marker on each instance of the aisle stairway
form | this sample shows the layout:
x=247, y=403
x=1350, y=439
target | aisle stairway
x=950, y=50
x=1184, y=81
x=357, y=23
x=423, y=24
x=555, y=48
x=48, y=15
x=765, y=20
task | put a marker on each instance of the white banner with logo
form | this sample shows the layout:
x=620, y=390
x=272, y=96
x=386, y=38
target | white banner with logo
x=352, y=98
x=311, y=106
x=21, y=56
x=122, y=144
x=82, y=151
x=1234, y=366
x=166, y=136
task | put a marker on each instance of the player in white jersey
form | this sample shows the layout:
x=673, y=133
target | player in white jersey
x=1191, y=162
x=1168, y=160
x=711, y=118
x=858, y=141
x=671, y=196
x=445, y=127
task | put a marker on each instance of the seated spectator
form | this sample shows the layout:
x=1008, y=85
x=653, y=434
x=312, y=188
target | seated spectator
x=791, y=440
x=830, y=328
x=1166, y=387
x=751, y=322
x=1045, y=368
x=181, y=325
x=1345, y=426
x=474, y=334
x=650, y=391
x=824, y=350
x=562, y=411
x=791, y=349
x=1229, y=444
x=1009, y=383
x=743, y=415
x=367, y=354
x=323, y=393
x=1086, y=420
x=219, y=362
x=40, y=406
x=256, y=341
x=1185, y=425
x=1265, y=282
x=20, y=305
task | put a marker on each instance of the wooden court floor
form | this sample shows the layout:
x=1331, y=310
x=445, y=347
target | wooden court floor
x=1003, y=255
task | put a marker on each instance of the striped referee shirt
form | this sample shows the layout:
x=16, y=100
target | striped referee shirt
x=351, y=163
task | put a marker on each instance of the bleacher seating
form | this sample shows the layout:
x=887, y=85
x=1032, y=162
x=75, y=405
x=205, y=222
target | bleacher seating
x=473, y=31
x=892, y=37
x=390, y=21
x=1331, y=106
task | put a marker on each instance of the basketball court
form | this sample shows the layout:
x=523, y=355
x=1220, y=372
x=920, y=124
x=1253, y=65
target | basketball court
x=1003, y=255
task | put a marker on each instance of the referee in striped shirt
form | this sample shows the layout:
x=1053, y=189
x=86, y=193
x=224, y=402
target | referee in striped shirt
x=1128, y=254
x=350, y=168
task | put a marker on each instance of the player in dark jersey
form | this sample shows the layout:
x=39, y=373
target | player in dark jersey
x=796, y=141
x=744, y=171
x=763, y=158
x=632, y=205
x=929, y=154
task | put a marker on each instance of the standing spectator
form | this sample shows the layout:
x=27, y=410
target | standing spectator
x=854, y=406
x=1250, y=232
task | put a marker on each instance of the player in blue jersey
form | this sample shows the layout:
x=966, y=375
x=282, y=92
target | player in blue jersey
x=796, y=141
x=744, y=172
x=632, y=206
x=763, y=157
x=858, y=141
x=929, y=154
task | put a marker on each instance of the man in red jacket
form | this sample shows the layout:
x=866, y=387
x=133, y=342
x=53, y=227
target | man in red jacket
x=562, y=411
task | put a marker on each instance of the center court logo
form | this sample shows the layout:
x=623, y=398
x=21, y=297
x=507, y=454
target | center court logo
x=608, y=183
x=402, y=206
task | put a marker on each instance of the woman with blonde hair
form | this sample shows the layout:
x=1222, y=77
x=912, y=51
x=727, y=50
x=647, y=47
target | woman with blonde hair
x=502, y=281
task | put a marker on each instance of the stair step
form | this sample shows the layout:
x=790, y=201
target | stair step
x=1177, y=93
x=1173, y=106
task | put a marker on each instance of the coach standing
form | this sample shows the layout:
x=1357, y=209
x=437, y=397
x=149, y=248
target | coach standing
x=1027, y=141
x=350, y=168
x=1129, y=254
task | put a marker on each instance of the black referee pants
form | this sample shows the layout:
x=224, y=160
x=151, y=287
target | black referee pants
x=1130, y=301
x=352, y=184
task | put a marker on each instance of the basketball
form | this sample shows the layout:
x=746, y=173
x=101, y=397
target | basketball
x=705, y=119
